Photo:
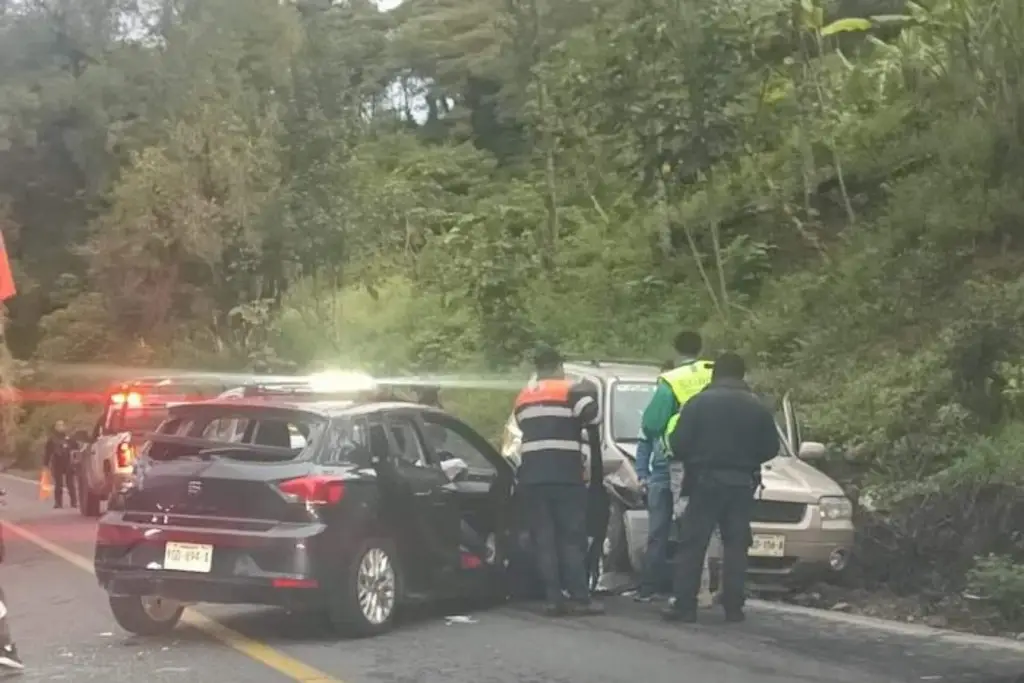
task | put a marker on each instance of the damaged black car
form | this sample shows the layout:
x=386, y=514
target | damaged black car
x=354, y=508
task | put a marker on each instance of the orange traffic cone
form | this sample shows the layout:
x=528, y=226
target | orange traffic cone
x=45, y=484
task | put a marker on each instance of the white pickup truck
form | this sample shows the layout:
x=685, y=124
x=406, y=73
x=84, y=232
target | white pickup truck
x=802, y=525
x=130, y=410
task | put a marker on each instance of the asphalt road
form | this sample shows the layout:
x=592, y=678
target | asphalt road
x=65, y=632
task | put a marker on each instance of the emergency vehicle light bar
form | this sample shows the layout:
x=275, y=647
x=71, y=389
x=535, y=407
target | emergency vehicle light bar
x=598, y=362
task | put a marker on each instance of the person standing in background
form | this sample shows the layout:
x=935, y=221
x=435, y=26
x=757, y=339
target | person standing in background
x=650, y=470
x=675, y=386
x=57, y=456
x=723, y=436
x=553, y=413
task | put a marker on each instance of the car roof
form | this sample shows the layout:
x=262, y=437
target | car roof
x=320, y=408
x=616, y=370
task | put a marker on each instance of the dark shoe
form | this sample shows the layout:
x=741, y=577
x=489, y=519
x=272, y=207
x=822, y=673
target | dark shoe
x=586, y=609
x=734, y=616
x=679, y=616
x=58, y=506
x=9, y=659
x=556, y=609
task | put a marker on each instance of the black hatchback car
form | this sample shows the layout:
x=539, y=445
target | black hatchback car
x=350, y=507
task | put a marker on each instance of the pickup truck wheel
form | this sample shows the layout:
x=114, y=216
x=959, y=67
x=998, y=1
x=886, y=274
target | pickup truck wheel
x=146, y=616
x=363, y=601
x=89, y=504
x=616, y=559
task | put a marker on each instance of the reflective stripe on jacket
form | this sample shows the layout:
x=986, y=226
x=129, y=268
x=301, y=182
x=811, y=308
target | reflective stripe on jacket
x=686, y=381
x=551, y=414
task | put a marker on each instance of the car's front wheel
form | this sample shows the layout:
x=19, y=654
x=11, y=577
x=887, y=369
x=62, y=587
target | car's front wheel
x=364, y=600
x=146, y=615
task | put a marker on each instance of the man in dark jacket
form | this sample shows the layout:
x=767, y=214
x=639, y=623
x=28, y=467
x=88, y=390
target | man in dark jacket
x=57, y=456
x=553, y=413
x=723, y=437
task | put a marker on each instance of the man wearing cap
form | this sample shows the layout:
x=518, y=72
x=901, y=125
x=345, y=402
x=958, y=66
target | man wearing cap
x=553, y=413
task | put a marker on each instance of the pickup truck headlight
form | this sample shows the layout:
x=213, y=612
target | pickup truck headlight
x=835, y=508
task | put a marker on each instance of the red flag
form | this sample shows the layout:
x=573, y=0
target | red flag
x=7, y=289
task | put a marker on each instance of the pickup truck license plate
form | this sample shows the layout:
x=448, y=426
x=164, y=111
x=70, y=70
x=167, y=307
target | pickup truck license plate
x=188, y=557
x=768, y=546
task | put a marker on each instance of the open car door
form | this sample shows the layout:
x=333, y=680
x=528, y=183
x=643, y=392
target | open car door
x=791, y=425
x=485, y=485
x=423, y=503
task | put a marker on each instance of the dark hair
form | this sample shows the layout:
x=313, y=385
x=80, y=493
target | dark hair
x=688, y=343
x=546, y=358
x=729, y=366
x=668, y=365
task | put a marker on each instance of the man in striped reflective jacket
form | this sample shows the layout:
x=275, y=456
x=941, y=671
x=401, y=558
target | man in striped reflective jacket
x=553, y=413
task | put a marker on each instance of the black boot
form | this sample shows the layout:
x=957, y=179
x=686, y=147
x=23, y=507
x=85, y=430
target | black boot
x=735, y=615
x=681, y=615
x=586, y=608
x=556, y=609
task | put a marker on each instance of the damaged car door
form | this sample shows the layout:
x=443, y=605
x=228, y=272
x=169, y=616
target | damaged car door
x=424, y=506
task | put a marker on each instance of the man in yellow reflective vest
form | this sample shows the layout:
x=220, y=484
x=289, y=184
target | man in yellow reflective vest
x=675, y=388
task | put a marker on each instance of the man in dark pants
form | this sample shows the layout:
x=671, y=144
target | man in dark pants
x=58, y=457
x=723, y=436
x=676, y=385
x=598, y=507
x=552, y=414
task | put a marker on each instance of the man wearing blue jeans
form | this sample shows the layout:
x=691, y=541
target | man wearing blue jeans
x=653, y=472
x=677, y=383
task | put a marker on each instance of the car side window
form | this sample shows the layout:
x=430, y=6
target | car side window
x=405, y=442
x=450, y=439
x=348, y=443
x=379, y=446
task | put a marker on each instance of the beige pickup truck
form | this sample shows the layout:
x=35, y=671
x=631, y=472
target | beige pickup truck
x=803, y=522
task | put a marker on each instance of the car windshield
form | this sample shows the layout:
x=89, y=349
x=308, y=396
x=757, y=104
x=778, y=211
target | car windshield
x=629, y=400
x=133, y=419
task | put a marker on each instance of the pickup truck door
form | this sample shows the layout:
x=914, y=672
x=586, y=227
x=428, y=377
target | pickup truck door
x=791, y=424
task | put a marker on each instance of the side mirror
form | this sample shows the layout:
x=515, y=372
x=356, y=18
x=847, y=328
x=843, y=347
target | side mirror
x=454, y=468
x=811, y=450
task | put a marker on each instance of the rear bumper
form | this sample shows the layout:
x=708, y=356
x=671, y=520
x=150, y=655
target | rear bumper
x=195, y=589
x=276, y=565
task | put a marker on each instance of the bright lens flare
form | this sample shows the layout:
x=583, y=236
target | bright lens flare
x=131, y=400
x=337, y=382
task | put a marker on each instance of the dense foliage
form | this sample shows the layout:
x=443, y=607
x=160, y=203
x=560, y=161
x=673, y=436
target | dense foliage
x=837, y=190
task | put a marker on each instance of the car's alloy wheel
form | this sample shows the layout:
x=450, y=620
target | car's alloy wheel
x=364, y=601
x=376, y=586
x=146, y=615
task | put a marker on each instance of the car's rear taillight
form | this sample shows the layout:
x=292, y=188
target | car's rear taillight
x=116, y=535
x=317, y=490
x=125, y=454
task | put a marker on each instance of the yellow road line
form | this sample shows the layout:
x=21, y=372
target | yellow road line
x=261, y=652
